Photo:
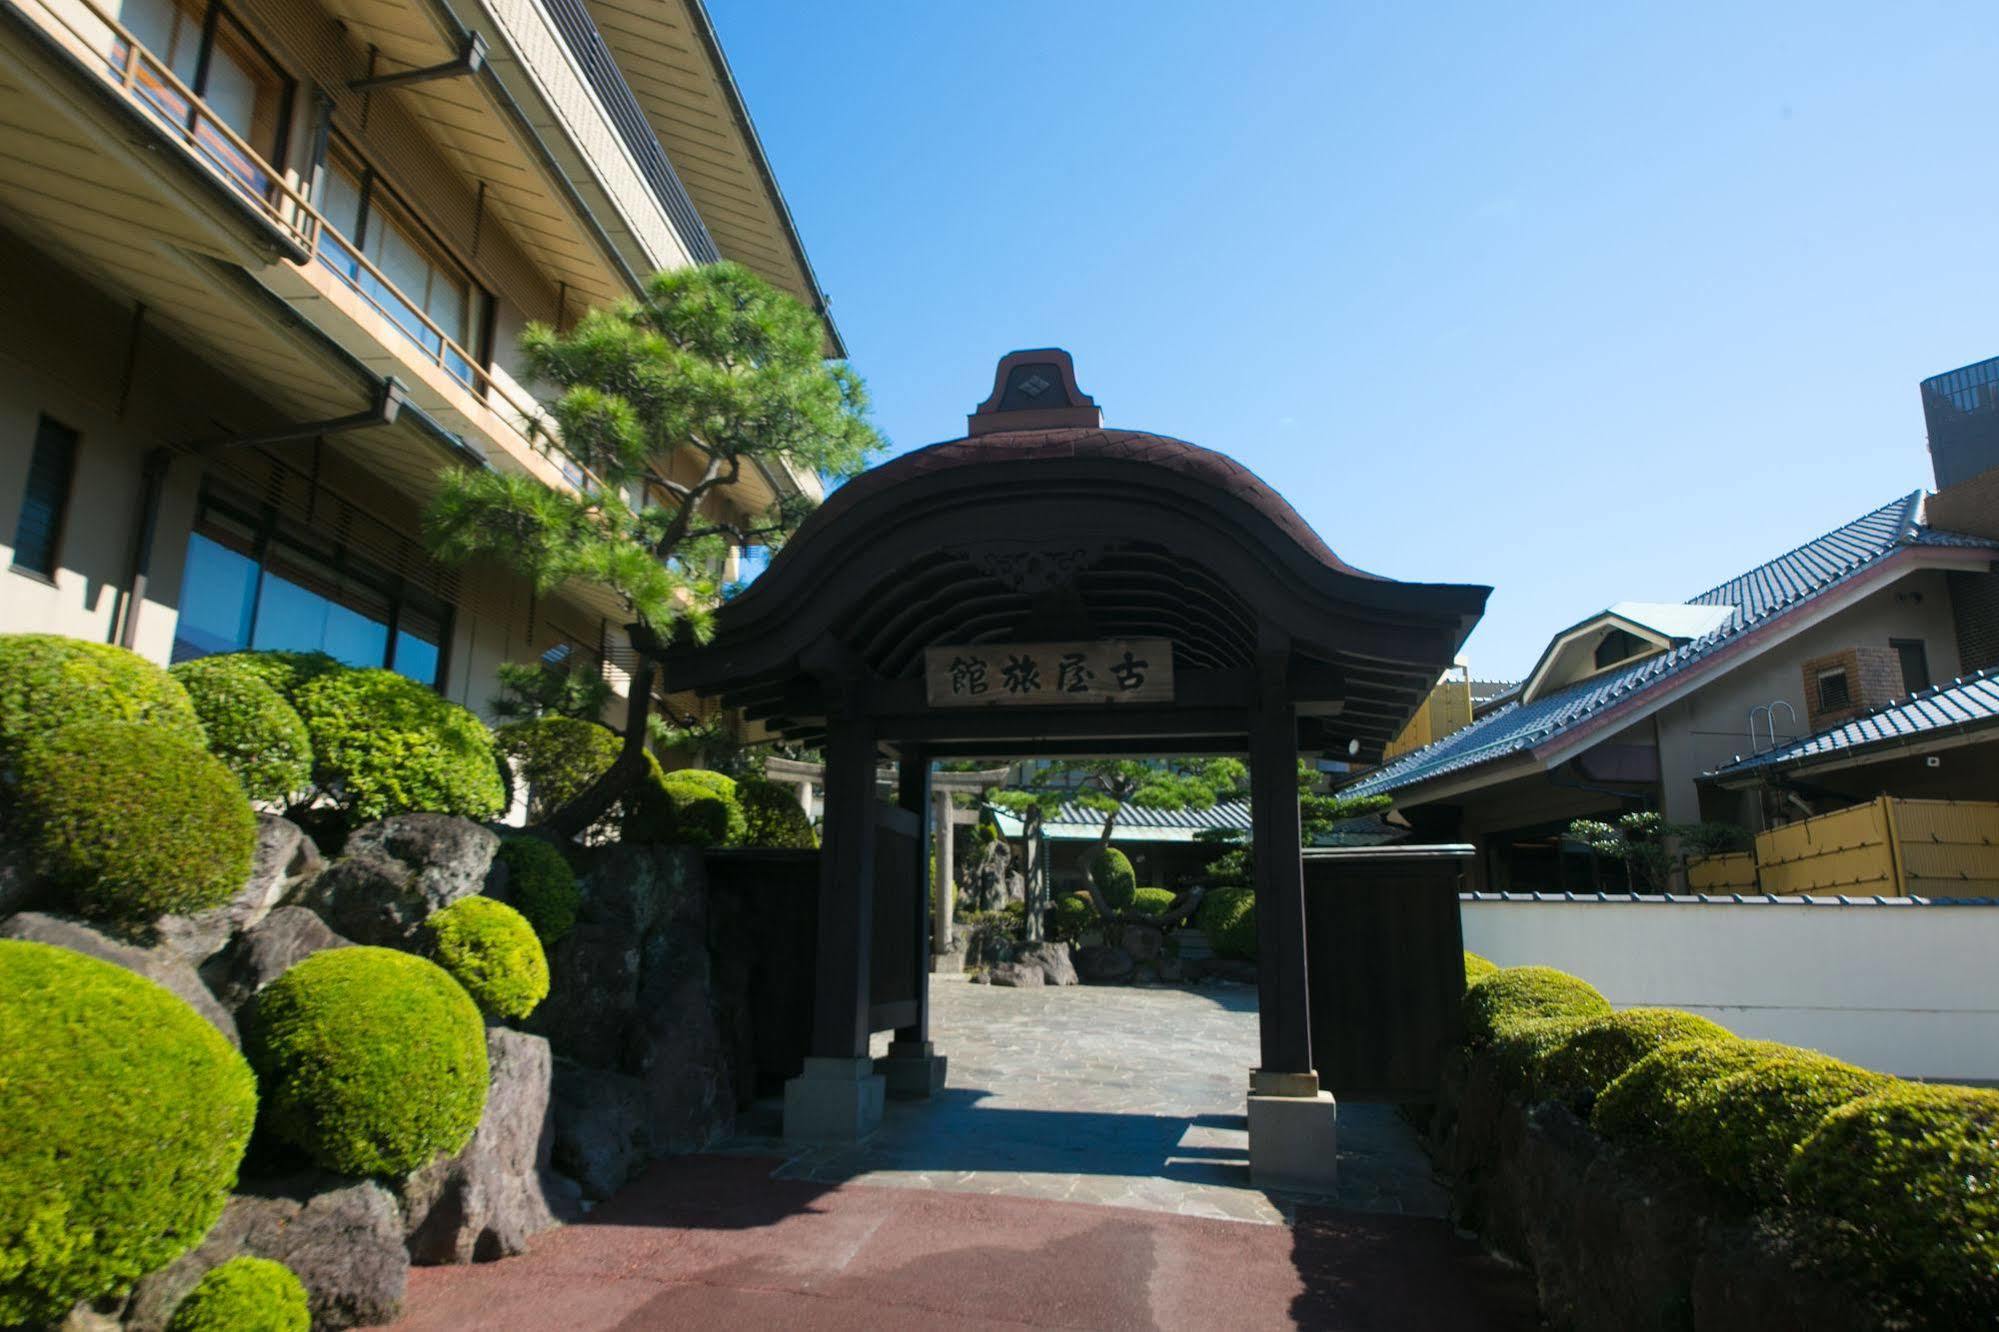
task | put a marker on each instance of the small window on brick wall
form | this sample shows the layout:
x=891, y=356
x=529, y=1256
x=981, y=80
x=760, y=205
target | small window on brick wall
x=1835, y=690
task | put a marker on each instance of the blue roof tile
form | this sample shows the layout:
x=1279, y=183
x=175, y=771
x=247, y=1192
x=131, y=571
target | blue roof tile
x=1762, y=594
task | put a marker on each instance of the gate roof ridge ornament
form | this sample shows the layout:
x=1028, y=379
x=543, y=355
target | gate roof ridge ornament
x=1035, y=390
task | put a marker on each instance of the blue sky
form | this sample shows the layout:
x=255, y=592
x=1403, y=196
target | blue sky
x=1585, y=302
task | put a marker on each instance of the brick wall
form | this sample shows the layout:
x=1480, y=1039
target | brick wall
x=1873, y=677
x=1974, y=607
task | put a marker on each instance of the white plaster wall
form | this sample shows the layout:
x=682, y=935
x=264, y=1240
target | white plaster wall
x=1904, y=989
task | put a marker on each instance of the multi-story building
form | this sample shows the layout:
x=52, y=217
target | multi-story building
x=265, y=264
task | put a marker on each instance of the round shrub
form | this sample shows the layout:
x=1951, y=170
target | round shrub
x=772, y=816
x=48, y=682
x=1592, y=1057
x=492, y=951
x=1069, y=918
x=372, y=1062
x=1228, y=917
x=384, y=744
x=287, y=672
x=1915, y=1169
x=244, y=1295
x=1151, y=901
x=250, y=727
x=1744, y=1129
x=1527, y=994
x=1112, y=878
x=123, y=1116
x=541, y=885
x=1477, y=968
x=1519, y=1048
x=558, y=758
x=685, y=808
x=136, y=821
x=1649, y=1099
x=714, y=783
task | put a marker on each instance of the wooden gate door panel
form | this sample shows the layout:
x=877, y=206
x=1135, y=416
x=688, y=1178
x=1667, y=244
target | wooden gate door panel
x=899, y=877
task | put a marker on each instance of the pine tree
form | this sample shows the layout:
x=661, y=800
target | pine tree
x=667, y=400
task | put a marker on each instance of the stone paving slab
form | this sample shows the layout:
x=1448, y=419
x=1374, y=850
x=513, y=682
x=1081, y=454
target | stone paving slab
x=1118, y=1096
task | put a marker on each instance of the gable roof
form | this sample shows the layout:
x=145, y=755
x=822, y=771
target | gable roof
x=1760, y=596
x=1967, y=704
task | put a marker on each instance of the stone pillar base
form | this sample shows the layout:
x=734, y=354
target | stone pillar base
x=1294, y=1143
x=833, y=1100
x=913, y=1070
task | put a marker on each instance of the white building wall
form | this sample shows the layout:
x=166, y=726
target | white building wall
x=1905, y=989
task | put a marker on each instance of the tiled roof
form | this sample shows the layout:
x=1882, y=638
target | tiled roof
x=1762, y=594
x=1733, y=899
x=1969, y=702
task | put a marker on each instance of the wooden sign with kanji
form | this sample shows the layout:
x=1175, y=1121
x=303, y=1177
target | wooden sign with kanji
x=1121, y=670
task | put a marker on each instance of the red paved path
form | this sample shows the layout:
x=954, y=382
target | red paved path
x=714, y=1242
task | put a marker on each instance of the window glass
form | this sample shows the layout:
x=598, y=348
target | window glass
x=416, y=657
x=1915, y=663
x=218, y=594
x=45, y=498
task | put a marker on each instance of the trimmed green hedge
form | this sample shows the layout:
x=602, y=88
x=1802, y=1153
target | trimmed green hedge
x=1151, y=901
x=48, y=682
x=1228, y=917
x=250, y=726
x=1648, y=1100
x=288, y=672
x=491, y=949
x=559, y=757
x=135, y=820
x=772, y=816
x=123, y=1116
x=245, y=1294
x=384, y=744
x=1527, y=994
x=1744, y=1129
x=1069, y=917
x=372, y=1062
x=1597, y=1052
x=1915, y=1170
x=542, y=886
x=687, y=807
x=1112, y=879
x=715, y=783
x=1477, y=968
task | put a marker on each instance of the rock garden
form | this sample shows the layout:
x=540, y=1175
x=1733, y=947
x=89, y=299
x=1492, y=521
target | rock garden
x=284, y=1010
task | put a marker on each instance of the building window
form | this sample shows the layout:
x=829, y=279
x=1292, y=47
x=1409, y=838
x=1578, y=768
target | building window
x=427, y=295
x=237, y=84
x=1834, y=691
x=247, y=586
x=1618, y=645
x=51, y=472
x=1915, y=663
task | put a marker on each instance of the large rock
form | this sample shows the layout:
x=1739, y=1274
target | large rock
x=485, y=1202
x=286, y=861
x=1053, y=958
x=399, y=872
x=592, y=995
x=677, y=1045
x=265, y=952
x=161, y=965
x=342, y=1238
x=602, y=1131
x=1021, y=975
x=635, y=888
x=1104, y=964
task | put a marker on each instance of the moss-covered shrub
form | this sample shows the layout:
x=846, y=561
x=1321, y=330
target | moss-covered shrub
x=250, y=726
x=1069, y=918
x=558, y=758
x=1527, y=994
x=772, y=816
x=135, y=820
x=542, y=886
x=689, y=807
x=1477, y=968
x=1597, y=1052
x=288, y=672
x=1228, y=917
x=371, y=1061
x=492, y=951
x=1151, y=901
x=1517, y=1049
x=123, y=1116
x=48, y=682
x=384, y=744
x=1743, y=1129
x=1112, y=879
x=1648, y=1100
x=244, y=1295
x=1915, y=1169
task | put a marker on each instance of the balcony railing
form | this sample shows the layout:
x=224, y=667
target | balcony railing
x=146, y=82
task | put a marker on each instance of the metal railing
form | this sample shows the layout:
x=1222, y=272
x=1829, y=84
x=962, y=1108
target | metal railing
x=150, y=85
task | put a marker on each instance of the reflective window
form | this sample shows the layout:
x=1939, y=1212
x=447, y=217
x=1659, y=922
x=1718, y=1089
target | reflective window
x=239, y=87
x=45, y=498
x=246, y=586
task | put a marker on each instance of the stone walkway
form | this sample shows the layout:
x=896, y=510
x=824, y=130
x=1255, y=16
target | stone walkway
x=1120, y=1096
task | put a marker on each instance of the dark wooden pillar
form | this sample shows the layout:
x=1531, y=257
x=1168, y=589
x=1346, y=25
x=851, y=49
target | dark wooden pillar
x=913, y=794
x=846, y=891
x=1284, y=1013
